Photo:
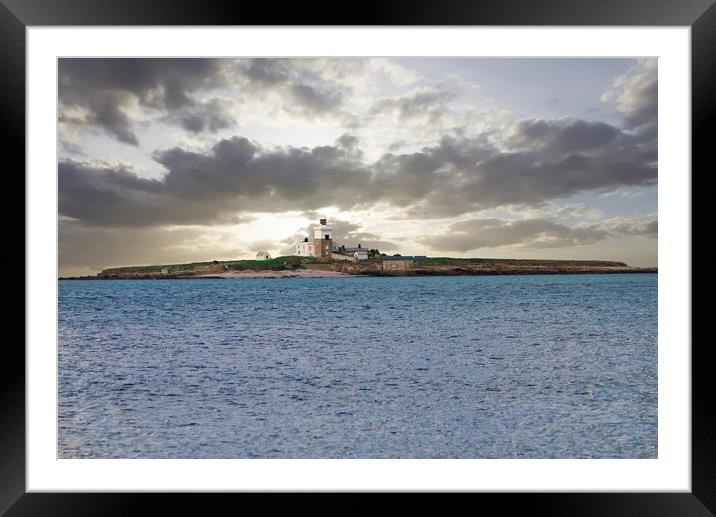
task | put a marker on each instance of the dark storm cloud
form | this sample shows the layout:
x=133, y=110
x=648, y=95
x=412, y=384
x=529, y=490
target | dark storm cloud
x=105, y=196
x=209, y=116
x=293, y=77
x=348, y=141
x=265, y=71
x=236, y=176
x=308, y=93
x=318, y=99
x=110, y=94
x=156, y=82
x=455, y=176
x=107, y=88
x=275, y=180
x=460, y=174
x=562, y=136
x=523, y=178
x=534, y=233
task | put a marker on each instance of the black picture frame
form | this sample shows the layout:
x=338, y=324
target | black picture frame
x=17, y=15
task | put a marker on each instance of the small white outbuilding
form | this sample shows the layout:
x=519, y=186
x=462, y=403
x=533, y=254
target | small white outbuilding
x=263, y=255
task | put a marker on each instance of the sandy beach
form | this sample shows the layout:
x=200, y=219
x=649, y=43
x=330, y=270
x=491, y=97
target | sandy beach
x=299, y=273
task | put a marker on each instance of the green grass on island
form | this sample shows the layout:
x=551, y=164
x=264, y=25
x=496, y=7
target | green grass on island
x=372, y=265
x=274, y=264
x=448, y=261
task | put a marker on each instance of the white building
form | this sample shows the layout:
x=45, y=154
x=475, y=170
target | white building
x=263, y=255
x=360, y=255
x=306, y=248
x=321, y=246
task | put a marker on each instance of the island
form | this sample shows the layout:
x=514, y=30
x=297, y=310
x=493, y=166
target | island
x=376, y=265
x=321, y=256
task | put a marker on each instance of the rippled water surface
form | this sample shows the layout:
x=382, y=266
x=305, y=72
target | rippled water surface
x=460, y=367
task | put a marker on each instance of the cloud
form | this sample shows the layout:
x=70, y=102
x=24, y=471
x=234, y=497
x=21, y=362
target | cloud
x=267, y=72
x=413, y=103
x=636, y=96
x=115, y=95
x=109, y=92
x=579, y=211
x=106, y=196
x=421, y=113
x=210, y=115
x=464, y=174
x=533, y=233
x=640, y=227
x=458, y=175
x=235, y=176
x=398, y=74
x=317, y=99
x=562, y=135
x=309, y=88
x=536, y=232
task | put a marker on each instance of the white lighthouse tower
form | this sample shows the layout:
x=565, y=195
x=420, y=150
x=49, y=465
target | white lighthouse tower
x=323, y=239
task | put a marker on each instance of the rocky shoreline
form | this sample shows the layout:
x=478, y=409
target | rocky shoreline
x=343, y=269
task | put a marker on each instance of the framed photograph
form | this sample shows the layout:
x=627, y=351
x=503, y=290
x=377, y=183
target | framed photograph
x=419, y=249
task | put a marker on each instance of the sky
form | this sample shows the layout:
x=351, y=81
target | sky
x=177, y=160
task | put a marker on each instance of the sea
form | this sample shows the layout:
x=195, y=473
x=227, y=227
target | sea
x=544, y=366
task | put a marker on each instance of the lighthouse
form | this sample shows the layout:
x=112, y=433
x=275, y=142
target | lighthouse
x=322, y=238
